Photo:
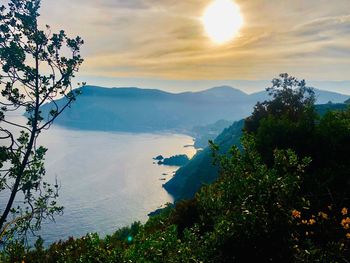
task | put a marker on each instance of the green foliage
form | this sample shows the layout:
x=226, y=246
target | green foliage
x=200, y=170
x=291, y=99
x=290, y=121
x=250, y=203
x=264, y=207
x=286, y=121
x=322, y=236
x=331, y=155
x=25, y=50
x=249, y=206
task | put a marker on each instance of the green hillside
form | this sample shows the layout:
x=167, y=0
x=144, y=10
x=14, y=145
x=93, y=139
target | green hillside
x=200, y=170
x=277, y=199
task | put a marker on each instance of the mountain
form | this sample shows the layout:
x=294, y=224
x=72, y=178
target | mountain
x=322, y=96
x=200, y=170
x=147, y=110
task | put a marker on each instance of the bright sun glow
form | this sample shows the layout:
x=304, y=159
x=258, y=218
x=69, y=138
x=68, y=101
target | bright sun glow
x=222, y=20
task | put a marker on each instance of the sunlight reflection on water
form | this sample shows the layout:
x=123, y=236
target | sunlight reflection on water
x=108, y=179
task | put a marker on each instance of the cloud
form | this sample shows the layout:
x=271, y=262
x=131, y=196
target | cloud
x=129, y=4
x=332, y=26
x=113, y=4
x=165, y=38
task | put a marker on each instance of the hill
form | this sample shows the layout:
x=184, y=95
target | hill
x=200, y=170
x=145, y=110
x=294, y=209
x=148, y=110
x=322, y=96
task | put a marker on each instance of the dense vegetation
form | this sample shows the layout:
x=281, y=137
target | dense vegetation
x=36, y=68
x=282, y=197
x=201, y=170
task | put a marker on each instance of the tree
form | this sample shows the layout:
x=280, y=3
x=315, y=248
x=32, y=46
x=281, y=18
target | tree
x=37, y=67
x=285, y=121
x=290, y=121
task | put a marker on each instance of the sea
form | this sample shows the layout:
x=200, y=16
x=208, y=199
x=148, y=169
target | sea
x=107, y=180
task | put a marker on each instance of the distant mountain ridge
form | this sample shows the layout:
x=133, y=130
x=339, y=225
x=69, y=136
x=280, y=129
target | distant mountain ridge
x=146, y=110
x=322, y=96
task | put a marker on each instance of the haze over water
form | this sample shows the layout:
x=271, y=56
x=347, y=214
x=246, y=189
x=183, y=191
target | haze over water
x=108, y=179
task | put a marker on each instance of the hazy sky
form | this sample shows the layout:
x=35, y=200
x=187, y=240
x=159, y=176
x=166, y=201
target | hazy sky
x=163, y=41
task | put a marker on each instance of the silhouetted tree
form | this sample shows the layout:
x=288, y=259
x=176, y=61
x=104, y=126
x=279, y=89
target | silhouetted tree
x=285, y=121
x=33, y=72
x=290, y=121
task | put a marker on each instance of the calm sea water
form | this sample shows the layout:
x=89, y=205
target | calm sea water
x=108, y=179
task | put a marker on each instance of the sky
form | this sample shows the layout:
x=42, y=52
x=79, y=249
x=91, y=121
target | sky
x=162, y=43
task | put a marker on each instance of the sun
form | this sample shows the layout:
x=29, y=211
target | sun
x=222, y=20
